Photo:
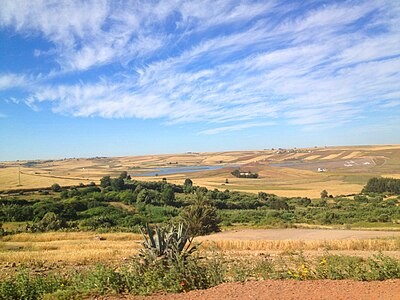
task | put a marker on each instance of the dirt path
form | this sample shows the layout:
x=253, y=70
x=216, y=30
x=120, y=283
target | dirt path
x=297, y=234
x=289, y=289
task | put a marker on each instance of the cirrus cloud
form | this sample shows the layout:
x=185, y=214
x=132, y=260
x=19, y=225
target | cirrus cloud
x=181, y=61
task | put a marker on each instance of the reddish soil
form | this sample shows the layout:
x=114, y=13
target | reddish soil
x=289, y=289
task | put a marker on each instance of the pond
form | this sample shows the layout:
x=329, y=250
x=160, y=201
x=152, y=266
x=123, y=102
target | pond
x=175, y=170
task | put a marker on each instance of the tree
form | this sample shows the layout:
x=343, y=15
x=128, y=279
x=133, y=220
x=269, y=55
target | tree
x=188, y=185
x=278, y=204
x=56, y=187
x=168, y=196
x=188, y=182
x=124, y=175
x=117, y=184
x=262, y=196
x=324, y=194
x=144, y=196
x=201, y=217
x=105, y=181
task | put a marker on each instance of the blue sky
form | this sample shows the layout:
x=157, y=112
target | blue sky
x=110, y=78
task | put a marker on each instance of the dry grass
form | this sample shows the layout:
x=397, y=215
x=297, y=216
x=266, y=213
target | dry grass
x=9, y=179
x=392, y=244
x=82, y=248
x=397, y=176
x=312, y=157
x=353, y=155
x=68, y=247
x=73, y=252
x=69, y=236
x=333, y=156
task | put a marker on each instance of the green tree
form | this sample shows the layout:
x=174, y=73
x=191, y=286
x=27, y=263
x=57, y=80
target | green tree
x=144, y=196
x=324, y=194
x=64, y=194
x=56, y=187
x=200, y=216
x=188, y=182
x=188, y=186
x=105, y=181
x=127, y=197
x=117, y=184
x=168, y=196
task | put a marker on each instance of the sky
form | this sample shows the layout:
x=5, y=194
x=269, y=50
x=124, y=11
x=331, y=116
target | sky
x=114, y=78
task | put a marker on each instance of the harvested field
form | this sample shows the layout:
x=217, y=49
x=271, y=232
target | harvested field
x=312, y=157
x=352, y=155
x=332, y=156
x=68, y=247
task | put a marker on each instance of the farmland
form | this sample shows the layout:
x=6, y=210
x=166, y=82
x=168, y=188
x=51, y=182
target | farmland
x=285, y=172
x=277, y=225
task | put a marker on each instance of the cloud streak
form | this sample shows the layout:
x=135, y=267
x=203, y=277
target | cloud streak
x=236, y=127
x=180, y=61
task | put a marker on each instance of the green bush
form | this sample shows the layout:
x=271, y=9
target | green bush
x=24, y=286
x=201, y=217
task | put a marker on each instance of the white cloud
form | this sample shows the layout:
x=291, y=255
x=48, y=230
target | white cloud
x=9, y=81
x=230, y=61
x=236, y=127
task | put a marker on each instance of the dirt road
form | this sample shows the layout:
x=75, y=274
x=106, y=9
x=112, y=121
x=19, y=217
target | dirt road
x=297, y=234
x=289, y=289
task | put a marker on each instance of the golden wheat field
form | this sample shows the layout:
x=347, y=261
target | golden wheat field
x=84, y=249
x=285, y=172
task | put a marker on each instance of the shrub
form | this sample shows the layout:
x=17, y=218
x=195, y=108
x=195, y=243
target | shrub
x=167, y=263
x=24, y=286
x=201, y=217
x=324, y=194
x=50, y=222
x=169, y=242
x=56, y=187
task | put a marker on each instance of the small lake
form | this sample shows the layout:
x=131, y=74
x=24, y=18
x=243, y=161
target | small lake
x=175, y=170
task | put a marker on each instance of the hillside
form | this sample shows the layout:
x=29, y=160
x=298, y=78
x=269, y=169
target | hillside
x=285, y=172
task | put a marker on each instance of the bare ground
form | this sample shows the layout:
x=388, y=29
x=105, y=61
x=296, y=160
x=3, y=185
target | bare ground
x=288, y=289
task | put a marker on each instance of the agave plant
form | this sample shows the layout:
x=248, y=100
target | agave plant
x=167, y=242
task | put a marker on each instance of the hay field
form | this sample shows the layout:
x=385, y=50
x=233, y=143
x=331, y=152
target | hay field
x=66, y=250
x=68, y=247
x=285, y=172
